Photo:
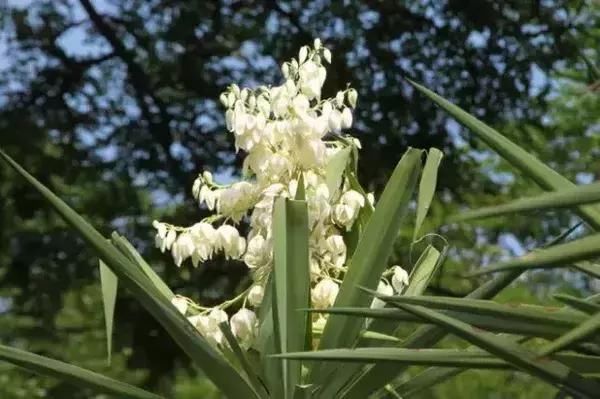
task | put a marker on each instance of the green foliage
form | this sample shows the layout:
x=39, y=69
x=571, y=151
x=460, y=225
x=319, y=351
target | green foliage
x=504, y=343
x=45, y=269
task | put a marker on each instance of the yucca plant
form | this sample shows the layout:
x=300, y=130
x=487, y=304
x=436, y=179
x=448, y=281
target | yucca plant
x=329, y=316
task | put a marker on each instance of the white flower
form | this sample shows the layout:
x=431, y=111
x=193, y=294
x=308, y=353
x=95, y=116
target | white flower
x=229, y=240
x=180, y=303
x=339, y=98
x=383, y=288
x=327, y=55
x=161, y=235
x=346, y=211
x=258, y=252
x=255, y=295
x=399, y=278
x=208, y=325
x=183, y=248
x=302, y=54
x=169, y=240
x=204, y=236
x=346, y=118
x=312, y=77
x=208, y=196
x=311, y=153
x=244, y=325
x=337, y=248
x=324, y=293
x=282, y=131
x=335, y=120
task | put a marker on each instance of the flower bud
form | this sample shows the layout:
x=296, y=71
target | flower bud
x=302, y=54
x=327, y=55
x=399, y=278
x=346, y=118
x=224, y=99
x=352, y=97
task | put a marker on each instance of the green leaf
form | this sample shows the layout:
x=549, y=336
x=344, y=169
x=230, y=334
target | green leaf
x=243, y=360
x=72, y=374
x=365, y=335
x=577, y=303
x=502, y=320
x=267, y=343
x=549, y=370
x=566, y=198
x=436, y=375
x=460, y=358
x=423, y=271
x=529, y=313
x=292, y=278
x=334, y=170
x=129, y=251
x=109, y=284
x=589, y=328
x=377, y=376
x=300, y=190
x=555, y=256
x=370, y=257
x=427, y=187
x=518, y=157
x=183, y=333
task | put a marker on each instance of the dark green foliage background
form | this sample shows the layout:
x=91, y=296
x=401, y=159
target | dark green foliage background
x=112, y=104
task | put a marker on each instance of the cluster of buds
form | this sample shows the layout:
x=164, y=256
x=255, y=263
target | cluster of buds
x=286, y=132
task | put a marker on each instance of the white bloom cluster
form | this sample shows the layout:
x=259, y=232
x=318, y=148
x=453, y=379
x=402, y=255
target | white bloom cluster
x=284, y=132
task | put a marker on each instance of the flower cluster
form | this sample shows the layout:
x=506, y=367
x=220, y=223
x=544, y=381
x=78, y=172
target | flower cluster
x=286, y=132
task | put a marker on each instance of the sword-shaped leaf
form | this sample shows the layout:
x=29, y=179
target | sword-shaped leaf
x=292, y=277
x=518, y=157
x=427, y=187
x=72, y=374
x=109, y=284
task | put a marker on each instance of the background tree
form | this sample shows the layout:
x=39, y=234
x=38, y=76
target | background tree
x=114, y=105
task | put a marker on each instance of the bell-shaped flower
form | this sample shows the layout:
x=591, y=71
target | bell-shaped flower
x=180, y=303
x=183, y=248
x=205, y=238
x=244, y=325
x=346, y=118
x=399, y=278
x=324, y=293
x=258, y=252
x=255, y=295
x=229, y=240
